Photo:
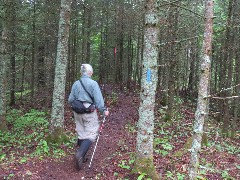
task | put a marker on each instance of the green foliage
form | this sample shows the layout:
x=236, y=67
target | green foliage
x=115, y=174
x=23, y=93
x=27, y=138
x=42, y=148
x=145, y=165
x=126, y=164
x=208, y=167
x=180, y=176
x=13, y=115
x=225, y=146
x=123, y=164
x=174, y=175
x=141, y=176
x=162, y=146
x=175, y=114
x=178, y=100
x=96, y=40
x=57, y=136
x=131, y=128
x=169, y=175
x=33, y=119
x=225, y=175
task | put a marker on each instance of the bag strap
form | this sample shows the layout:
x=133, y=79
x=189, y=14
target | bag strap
x=86, y=91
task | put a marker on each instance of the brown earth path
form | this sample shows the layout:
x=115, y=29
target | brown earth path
x=105, y=163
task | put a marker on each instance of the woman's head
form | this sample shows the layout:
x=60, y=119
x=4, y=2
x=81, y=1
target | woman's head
x=86, y=69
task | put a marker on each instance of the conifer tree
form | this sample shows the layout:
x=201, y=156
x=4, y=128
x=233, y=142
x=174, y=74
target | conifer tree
x=201, y=113
x=144, y=154
x=57, y=116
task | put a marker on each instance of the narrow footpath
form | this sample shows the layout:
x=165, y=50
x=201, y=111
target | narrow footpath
x=114, y=141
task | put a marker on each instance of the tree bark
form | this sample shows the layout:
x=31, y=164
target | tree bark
x=228, y=60
x=144, y=154
x=119, y=46
x=173, y=61
x=5, y=58
x=33, y=50
x=201, y=113
x=12, y=39
x=57, y=116
x=41, y=67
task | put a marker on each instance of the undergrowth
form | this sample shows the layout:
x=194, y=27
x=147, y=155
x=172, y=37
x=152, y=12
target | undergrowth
x=172, y=144
x=26, y=138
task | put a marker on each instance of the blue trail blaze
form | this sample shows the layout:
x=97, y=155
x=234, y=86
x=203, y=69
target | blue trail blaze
x=149, y=74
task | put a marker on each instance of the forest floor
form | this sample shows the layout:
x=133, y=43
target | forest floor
x=114, y=156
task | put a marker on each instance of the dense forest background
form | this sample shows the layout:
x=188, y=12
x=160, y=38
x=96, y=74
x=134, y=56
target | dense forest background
x=109, y=35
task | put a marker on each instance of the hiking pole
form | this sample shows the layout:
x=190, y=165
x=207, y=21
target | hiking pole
x=100, y=130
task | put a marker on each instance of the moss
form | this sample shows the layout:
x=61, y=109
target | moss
x=188, y=145
x=3, y=125
x=228, y=133
x=145, y=165
x=168, y=118
x=224, y=132
x=164, y=100
x=232, y=133
x=184, y=149
x=204, y=139
x=57, y=136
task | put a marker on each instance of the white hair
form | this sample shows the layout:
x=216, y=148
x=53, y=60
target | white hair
x=86, y=69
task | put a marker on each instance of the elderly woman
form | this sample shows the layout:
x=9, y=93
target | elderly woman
x=87, y=124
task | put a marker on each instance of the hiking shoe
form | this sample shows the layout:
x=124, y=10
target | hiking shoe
x=81, y=152
x=79, y=163
x=78, y=160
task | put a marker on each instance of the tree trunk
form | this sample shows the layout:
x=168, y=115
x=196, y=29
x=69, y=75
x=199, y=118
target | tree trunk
x=89, y=24
x=144, y=154
x=229, y=65
x=236, y=105
x=137, y=64
x=3, y=64
x=129, y=60
x=173, y=61
x=201, y=113
x=33, y=51
x=23, y=72
x=193, y=71
x=12, y=38
x=236, y=67
x=41, y=68
x=101, y=60
x=119, y=53
x=57, y=116
x=73, y=49
x=86, y=32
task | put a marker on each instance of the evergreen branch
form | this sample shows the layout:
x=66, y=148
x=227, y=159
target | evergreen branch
x=168, y=3
x=183, y=7
x=163, y=65
x=223, y=98
x=214, y=96
x=182, y=40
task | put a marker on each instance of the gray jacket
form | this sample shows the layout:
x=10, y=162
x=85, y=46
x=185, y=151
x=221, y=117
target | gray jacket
x=93, y=89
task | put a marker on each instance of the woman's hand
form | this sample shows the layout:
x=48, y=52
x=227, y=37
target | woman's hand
x=106, y=113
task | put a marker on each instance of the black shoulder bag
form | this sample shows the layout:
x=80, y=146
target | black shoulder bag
x=78, y=106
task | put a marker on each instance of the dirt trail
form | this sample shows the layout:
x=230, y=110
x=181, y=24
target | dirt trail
x=104, y=165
